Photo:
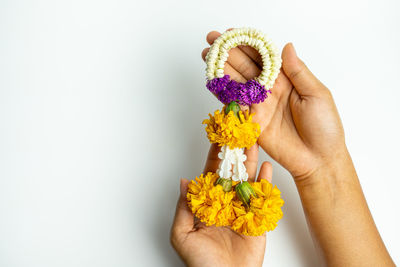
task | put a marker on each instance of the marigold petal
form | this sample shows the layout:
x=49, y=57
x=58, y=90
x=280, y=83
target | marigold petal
x=229, y=130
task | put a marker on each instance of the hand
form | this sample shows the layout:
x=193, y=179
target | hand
x=300, y=126
x=199, y=245
x=301, y=130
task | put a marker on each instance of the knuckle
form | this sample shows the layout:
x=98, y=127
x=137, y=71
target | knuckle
x=327, y=93
x=174, y=239
x=299, y=70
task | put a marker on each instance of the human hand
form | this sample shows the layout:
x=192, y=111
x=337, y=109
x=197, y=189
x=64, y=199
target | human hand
x=301, y=130
x=201, y=245
x=300, y=126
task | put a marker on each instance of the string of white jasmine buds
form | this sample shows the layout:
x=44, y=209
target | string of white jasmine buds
x=218, y=54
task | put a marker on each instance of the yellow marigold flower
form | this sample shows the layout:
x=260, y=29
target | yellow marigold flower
x=232, y=131
x=264, y=212
x=213, y=206
x=209, y=202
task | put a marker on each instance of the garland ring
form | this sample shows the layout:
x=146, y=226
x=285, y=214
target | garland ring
x=253, y=91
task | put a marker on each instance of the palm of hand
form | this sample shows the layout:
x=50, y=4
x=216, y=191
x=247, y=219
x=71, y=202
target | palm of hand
x=220, y=246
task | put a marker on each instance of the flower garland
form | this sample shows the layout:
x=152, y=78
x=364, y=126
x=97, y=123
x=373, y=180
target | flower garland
x=225, y=198
x=253, y=91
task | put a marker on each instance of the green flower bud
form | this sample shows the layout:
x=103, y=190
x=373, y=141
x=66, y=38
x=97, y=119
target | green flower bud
x=233, y=106
x=225, y=183
x=244, y=191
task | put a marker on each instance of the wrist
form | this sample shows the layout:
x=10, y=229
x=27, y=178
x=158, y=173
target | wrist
x=332, y=181
x=335, y=170
x=337, y=214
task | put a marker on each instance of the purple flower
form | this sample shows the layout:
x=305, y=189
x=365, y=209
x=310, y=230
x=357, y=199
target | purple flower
x=255, y=91
x=251, y=92
x=218, y=84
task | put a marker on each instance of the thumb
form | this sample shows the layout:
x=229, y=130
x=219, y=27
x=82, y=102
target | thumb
x=305, y=83
x=184, y=218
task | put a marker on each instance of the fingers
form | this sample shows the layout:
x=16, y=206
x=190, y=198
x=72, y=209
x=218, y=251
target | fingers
x=213, y=161
x=253, y=54
x=243, y=64
x=204, y=53
x=248, y=50
x=265, y=171
x=228, y=69
x=251, y=161
x=184, y=219
x=238, y=59
x=212, y=36
x=305, y=83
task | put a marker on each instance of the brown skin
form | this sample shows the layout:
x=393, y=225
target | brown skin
x=301, y=130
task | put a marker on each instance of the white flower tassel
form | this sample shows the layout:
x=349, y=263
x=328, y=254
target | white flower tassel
x=239, y=169
x=232, y=157
x=227, y=157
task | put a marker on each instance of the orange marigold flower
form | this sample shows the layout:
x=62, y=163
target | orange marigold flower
x=213, y=206
x=209, y=202
x=264, y=212
x=232, y=131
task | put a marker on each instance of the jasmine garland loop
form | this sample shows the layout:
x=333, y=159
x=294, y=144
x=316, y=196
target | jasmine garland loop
x=253, y=91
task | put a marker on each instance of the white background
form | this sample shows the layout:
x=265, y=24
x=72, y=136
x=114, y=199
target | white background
x=101, y=104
